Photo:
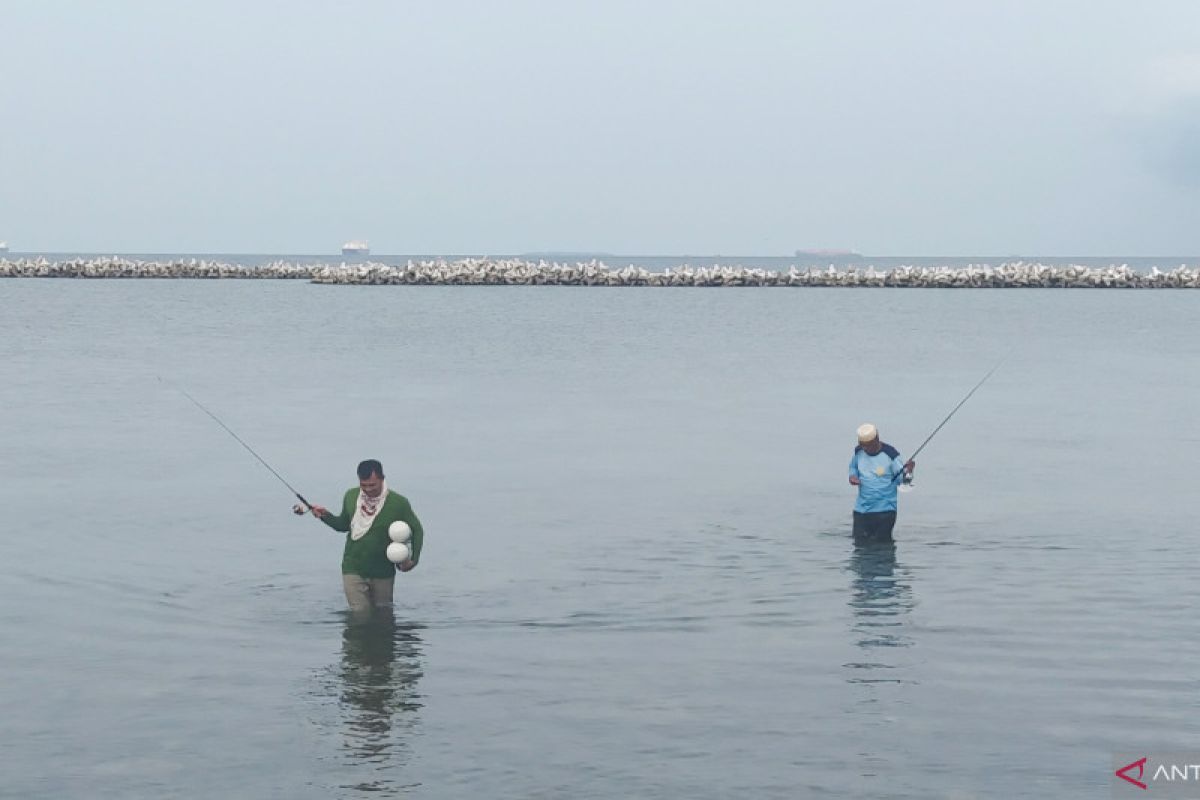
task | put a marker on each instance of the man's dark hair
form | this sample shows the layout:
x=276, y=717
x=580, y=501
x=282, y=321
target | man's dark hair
x=368, y=468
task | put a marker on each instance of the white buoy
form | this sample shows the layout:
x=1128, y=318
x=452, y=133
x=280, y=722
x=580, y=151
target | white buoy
x=397, y=553
x=399, y=531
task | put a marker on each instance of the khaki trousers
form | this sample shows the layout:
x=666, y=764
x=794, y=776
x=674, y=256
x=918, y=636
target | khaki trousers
x=363, y=594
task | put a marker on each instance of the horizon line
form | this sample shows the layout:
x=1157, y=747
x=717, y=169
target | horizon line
x=593, y=253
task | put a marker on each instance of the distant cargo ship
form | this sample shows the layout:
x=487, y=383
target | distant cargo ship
x=356, y=248
x=3, y=247
x=827, y=254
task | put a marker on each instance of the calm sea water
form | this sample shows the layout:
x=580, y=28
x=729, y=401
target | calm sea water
x=637, y=578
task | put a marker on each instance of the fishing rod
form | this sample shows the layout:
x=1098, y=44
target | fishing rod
x=229, y=430
x=905, y=476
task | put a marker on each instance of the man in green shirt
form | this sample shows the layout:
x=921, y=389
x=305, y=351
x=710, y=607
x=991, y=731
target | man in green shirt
x=367, y=575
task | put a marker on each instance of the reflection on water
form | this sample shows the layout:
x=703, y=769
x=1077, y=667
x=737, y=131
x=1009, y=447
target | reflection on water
x=880, y=597
x=378, y=698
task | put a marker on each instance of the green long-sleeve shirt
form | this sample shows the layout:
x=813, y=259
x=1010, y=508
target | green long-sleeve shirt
x=368, y=556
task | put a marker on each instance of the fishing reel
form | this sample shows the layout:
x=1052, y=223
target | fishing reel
x=299, y=510
x=906, y=482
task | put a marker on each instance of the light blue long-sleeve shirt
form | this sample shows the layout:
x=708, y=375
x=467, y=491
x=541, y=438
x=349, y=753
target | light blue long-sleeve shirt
x=879, y=475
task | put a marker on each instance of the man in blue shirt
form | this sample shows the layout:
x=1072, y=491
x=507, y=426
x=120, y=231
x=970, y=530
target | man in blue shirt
x=876, y=469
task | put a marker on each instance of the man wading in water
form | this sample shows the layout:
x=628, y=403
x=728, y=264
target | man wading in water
x=876, y=469
x=367, y=575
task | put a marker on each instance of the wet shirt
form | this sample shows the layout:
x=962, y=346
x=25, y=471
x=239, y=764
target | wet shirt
x=879, y=474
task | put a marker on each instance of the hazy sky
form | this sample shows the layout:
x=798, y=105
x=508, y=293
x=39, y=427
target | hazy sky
x=647, y=127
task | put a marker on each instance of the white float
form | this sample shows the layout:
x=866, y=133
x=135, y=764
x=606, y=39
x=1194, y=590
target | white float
x=399, y=531
x=397, y=553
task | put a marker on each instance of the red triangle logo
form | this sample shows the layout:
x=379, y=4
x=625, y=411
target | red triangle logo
x=1141, y=766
